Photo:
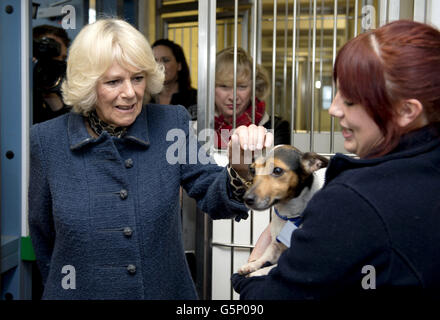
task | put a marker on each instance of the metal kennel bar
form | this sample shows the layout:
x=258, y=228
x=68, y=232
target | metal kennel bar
x=312, y=111
x=274, y=57
x=294, y=74
x=205, y=119
x=234, y=121
x=335, y=30
x=254, y=54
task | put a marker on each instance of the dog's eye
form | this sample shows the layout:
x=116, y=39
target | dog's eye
x=277, y=171
x=252, y=171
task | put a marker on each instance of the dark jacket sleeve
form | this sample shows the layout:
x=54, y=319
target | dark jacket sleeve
x=341, y=234
x=207, y=182
x=41, y=225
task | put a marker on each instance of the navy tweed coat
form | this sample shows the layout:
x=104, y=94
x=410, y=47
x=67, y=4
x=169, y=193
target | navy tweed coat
x=109, y=207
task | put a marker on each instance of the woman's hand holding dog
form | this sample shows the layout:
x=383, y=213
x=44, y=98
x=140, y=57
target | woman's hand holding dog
x=247, y=142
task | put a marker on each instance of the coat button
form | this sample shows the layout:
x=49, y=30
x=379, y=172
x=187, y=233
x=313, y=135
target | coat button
x=128, y=163
x=131, y=269
x=123, y=194
x=128, y=232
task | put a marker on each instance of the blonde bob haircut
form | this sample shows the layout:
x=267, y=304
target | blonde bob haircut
x=224, y=71
x=95, y=49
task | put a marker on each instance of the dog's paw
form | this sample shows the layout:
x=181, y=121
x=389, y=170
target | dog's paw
x=261, y=272
x=248, y=268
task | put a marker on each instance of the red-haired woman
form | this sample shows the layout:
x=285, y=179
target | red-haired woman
x=375, y=224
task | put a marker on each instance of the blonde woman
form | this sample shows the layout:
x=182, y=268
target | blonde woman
x=103, y=197
x=224, y=97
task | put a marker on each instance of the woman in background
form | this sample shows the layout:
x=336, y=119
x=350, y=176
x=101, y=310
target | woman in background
x=177, y=89
x=224, y=97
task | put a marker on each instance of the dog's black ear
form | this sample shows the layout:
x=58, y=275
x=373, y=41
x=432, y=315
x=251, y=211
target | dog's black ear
x=311, y=161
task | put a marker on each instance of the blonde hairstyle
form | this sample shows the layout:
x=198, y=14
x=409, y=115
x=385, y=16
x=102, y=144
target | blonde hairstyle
x=224, y=71
x=95, y=49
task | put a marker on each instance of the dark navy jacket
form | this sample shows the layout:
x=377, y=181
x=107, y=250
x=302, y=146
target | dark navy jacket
x=109, y=207
x=375, y=224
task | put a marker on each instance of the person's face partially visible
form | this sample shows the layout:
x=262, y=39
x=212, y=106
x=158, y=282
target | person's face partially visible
x=164, y=55
x=361, y=134
x=63, y=48
x=224, y=98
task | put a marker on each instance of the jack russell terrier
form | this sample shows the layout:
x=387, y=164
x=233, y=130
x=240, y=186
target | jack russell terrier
x=285, y=179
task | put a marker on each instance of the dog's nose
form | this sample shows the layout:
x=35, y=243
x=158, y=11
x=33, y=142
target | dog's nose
x=249, y=199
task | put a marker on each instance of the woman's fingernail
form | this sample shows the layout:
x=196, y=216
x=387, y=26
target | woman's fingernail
x=245, y=147
x=259, y=146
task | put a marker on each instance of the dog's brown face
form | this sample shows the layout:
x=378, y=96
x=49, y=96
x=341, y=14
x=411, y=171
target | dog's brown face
x=281, y=176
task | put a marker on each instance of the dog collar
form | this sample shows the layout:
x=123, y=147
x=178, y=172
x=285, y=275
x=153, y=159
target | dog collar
x=296, y=220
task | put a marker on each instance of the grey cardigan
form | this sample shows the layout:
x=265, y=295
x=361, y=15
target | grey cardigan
x=107, y=209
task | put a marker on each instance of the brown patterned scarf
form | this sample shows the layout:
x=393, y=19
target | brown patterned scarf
x=98, y=126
